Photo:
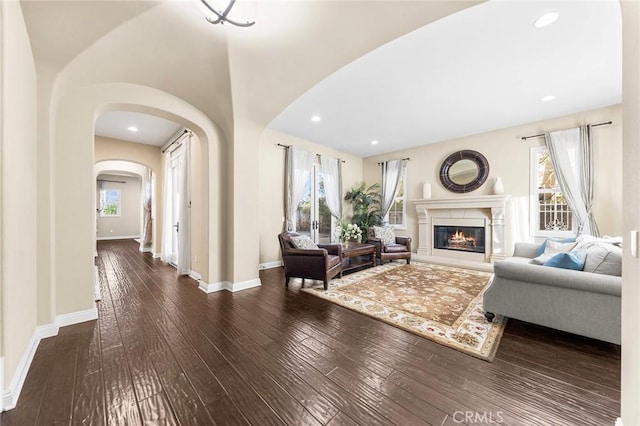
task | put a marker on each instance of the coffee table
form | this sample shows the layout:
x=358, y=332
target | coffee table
x=353, y=256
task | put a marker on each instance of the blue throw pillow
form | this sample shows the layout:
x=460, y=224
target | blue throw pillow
x=570, y=260
x=557, y=240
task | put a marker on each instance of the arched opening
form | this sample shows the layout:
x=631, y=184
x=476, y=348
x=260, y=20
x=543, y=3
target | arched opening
x=74, y=161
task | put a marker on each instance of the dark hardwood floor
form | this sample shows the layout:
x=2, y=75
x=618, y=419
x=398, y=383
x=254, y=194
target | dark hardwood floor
x=163, y=352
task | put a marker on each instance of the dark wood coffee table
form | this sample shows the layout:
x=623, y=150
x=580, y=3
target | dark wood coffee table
x=353, y=256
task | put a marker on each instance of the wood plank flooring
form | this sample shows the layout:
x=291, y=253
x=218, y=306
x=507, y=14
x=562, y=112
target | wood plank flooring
x=163, y=352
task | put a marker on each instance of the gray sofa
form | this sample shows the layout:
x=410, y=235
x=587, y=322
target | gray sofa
x=584, y=303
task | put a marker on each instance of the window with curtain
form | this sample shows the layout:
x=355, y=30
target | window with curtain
x=550, y=213
x=397, y=213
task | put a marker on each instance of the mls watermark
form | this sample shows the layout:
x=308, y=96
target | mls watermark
x=474, y=417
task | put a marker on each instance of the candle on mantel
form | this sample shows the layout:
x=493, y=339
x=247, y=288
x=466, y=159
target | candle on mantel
x=426, y=191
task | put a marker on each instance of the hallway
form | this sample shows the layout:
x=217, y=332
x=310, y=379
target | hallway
x=163, y=352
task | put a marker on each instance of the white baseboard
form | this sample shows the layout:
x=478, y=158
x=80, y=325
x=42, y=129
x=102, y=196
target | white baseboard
x=146, y=249
x=196, y=276
x=10, y=396
x=618, y=422
x=124, y=237
x=232, y=287
x=269, y=265
x=1, y=384
x=95, y=253
x=97, y=294
x=157, y=255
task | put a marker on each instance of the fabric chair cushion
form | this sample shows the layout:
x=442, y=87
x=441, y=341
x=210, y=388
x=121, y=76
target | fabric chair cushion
x=571, y=260
x=604, y=259
x=303, y=242
x=543, y=246
x=386, y=234
x=551, y=249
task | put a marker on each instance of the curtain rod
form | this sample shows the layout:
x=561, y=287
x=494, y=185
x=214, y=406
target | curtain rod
x=113, y=181
x=404, y=159
x=606, y=123
x=287, y=146
x=176, y=140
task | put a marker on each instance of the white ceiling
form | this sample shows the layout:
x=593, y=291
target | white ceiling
x=151, y=130
x=481, y=69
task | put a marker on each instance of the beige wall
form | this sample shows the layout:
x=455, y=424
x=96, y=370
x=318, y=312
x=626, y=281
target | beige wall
x=630, y=409
x=509, y=159
x=270, y=211
x=19, y=123
x=128, y=223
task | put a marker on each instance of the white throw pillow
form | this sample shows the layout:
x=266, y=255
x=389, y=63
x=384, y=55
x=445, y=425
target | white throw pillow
x=303, y=242
x=551, y=250
x=386, y=234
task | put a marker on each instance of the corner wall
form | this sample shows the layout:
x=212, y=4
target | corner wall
x=18, y=189
x=509, y=159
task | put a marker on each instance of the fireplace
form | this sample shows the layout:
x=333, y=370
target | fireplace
x=459, y=238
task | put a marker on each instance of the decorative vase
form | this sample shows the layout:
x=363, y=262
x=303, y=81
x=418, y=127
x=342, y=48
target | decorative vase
x=498, y=187
x=345, y=244
x=426, y=191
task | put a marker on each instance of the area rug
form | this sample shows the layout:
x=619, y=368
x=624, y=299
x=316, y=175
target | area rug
x=440, y=303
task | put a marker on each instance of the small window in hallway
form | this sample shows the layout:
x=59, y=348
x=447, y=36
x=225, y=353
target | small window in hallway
x=109, y=203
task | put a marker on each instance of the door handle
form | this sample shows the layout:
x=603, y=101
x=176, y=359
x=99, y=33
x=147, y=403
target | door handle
x=177, y=226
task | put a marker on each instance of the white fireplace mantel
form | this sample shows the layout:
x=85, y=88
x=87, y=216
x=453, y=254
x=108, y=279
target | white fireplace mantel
x=494, y=205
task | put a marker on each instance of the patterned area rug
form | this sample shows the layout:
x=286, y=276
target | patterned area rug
x=441, y=303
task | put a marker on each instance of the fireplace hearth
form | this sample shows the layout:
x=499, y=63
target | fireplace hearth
x=459, y=238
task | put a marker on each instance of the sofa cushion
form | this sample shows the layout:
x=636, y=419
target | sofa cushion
x=303, y=242
x=551, y=249
x=543, y=246
x=395, y=248
x=570, y=260
x=604, y=259
x=385, y=234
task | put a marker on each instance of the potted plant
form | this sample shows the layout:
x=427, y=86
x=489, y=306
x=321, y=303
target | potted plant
x=346, y=232
x=366, y=206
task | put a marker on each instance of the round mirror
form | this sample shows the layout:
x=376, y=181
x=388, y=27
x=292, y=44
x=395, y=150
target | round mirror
x=464, y=171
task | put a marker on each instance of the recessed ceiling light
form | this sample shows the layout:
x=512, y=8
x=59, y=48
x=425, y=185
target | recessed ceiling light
x=547, y=98
x=316, y=118
x=546, y=20
x=374, y=142
x=132, y=128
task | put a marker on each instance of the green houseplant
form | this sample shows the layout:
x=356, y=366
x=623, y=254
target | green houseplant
x=366, y=205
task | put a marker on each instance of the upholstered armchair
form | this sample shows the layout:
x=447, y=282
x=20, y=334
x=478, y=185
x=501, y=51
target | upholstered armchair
x=399, y=249
x=322, y=263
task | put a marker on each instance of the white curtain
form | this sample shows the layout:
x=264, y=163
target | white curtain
x=570, y=152
x=298, y=166
x=184, y=209
x=391, y=176
x=331, y=169
x=166, y=254
x=147, y=225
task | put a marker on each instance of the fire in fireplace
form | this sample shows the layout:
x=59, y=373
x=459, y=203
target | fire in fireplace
x=460, y=238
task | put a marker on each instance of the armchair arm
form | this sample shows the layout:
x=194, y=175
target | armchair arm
x=405, y=241
x=305, y=252
x=333, y=249
x=376, y=242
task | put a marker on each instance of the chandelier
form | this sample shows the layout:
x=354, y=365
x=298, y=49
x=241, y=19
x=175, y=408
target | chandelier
x=220, y=17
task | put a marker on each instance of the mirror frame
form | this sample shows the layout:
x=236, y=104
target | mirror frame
x=467, y=154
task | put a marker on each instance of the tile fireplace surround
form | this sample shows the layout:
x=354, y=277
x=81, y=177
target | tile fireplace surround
x=484, y=210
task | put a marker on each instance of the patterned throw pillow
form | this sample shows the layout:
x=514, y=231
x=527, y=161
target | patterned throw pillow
x=303, y=242
x=386, y=234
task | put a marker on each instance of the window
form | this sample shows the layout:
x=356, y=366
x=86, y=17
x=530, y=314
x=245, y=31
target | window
x=550, y=214
x=397, y=213
x=109, y=203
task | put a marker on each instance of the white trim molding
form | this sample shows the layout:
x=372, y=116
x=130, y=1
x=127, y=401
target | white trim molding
x=157, y=255
x=196, y=276
x=270, y=265
x=10, y=396
x=226, y=285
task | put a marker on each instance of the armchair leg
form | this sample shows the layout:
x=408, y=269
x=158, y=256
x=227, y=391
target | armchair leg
x=408, y=261
x=286, y=281
x=326, y=284
x=489, y=316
